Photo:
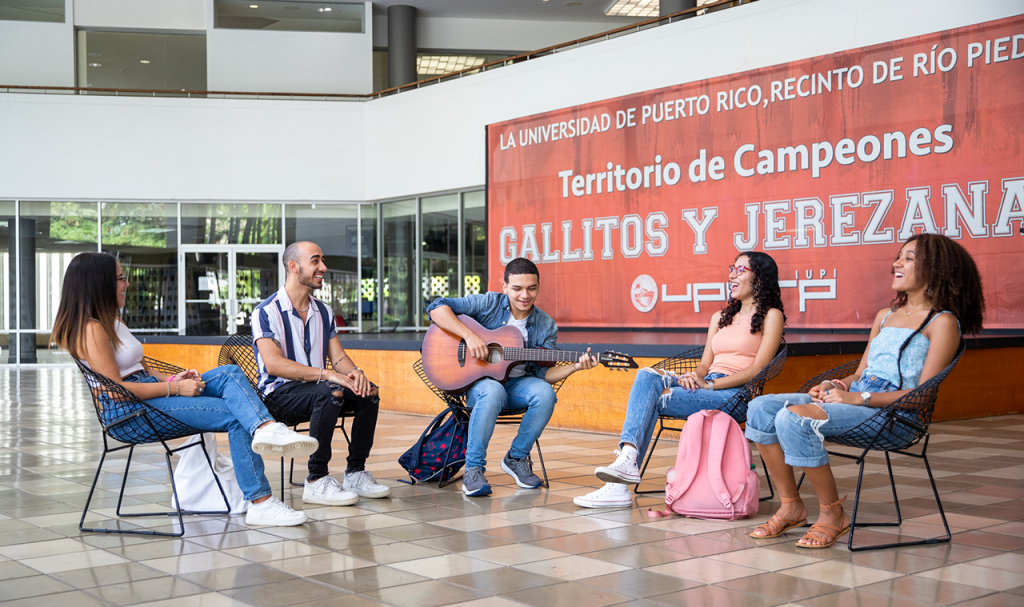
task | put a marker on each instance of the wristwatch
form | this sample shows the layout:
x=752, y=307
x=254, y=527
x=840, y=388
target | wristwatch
x=711, y=384
x=867, y=398
x=356, y=369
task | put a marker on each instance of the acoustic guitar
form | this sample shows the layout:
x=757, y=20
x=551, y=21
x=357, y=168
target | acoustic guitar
x=449, y=366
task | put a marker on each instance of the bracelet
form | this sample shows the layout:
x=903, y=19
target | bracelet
x=840, y=382
x=177, y=388
x=320, y=376
x=356, y=369
x=834, y=386
x=168, y=388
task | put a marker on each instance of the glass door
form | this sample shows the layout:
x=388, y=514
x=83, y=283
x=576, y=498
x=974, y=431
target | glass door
x=221, y=285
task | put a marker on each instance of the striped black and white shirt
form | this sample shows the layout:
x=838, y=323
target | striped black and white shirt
x=304, y=342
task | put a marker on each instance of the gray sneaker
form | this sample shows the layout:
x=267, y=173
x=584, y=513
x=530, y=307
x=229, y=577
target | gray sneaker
x=522, y=471
x=474, y=483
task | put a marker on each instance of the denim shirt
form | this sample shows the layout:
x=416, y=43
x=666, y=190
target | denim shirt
x=492, y=310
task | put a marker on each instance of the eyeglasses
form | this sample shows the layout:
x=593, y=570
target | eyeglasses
x=738, y=270
x=122, y=278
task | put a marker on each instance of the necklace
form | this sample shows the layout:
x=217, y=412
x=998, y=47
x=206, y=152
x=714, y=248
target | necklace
x=908, y=312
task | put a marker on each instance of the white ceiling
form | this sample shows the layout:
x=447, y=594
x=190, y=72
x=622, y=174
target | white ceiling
x=526, y=10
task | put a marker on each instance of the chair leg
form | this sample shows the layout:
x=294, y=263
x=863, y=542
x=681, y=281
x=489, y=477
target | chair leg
x=282, y=478
x=543, y=468
x=647, y=462
x=768, y=480
x=935, y=491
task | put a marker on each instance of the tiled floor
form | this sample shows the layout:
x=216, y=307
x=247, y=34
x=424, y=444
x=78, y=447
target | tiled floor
x=427, y=546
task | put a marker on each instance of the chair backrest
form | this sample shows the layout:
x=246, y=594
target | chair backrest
x=906, y=420
x=240, y=350
x=125, y=417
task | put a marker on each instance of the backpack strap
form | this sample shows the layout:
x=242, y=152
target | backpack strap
x=719, y=435
x=417, y=449
x=691, y=452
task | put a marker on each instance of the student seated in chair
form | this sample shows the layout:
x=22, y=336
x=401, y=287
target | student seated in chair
x=294, y=335
x=528, y=386
x=742, y=339
x=89, y=327
x=938, y=296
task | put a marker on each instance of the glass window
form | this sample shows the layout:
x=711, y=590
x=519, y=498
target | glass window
x=121, y=60
x=400, y=293
x=144, y=238
x=440, y=256
x=368, y=283
x=296, y=16
x=7, y=287
x=218, y=223
x=334, y=228
x=474, y=242
x=429, y=64
x=50, y=235
x=32, y=10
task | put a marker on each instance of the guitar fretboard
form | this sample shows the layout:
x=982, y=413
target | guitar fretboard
x=536, y=354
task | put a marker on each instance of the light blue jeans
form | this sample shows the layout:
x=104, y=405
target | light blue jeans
x=646, y=403
x=769, y=421
x=487, y=398
x=228, y=404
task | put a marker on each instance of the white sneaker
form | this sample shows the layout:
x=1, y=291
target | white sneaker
x=612, y=495
x=363, y=483
x=272, y=512
x=327, y=490
x=623, y=470
x=278, y=440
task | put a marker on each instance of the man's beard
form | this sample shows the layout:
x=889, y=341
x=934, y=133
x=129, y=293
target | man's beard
x=307, y=280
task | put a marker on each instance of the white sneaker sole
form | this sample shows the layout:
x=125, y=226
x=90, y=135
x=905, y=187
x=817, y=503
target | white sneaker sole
x=374, y=495
x=585, y=503
x=509, y=472
x=611, y=475
x=295, y=449
x=326, y=502
x=272, y=522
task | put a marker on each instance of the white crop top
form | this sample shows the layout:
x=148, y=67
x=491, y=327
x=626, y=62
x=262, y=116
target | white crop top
x=129, y=355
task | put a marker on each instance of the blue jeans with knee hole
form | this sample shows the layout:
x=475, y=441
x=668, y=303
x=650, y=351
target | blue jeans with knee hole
x=769, y=421
x=646, y=403
x=228, y=404
x=487, y=398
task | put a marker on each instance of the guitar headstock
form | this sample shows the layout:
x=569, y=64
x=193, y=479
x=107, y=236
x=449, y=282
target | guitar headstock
x=616, y=361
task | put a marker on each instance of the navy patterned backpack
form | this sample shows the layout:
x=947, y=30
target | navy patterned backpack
x=440, y=451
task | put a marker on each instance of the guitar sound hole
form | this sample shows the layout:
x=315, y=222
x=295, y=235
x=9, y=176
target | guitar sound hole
x=495, y=353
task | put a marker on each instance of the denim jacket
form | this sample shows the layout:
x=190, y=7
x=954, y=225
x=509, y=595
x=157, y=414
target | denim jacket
x=491, y=310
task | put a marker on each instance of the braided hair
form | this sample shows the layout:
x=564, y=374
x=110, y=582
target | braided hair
x=954, y=285
x=767, y=294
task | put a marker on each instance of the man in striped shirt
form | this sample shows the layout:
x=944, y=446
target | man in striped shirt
x=294, y=335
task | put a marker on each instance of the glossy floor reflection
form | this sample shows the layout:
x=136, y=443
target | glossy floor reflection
x=426, y=546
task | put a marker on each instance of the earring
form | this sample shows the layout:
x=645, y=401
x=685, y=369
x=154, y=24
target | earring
x=929, y=292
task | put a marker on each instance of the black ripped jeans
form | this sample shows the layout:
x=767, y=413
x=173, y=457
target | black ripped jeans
x=316, y=401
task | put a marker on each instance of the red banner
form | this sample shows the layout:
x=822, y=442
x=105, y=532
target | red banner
x=636, y=206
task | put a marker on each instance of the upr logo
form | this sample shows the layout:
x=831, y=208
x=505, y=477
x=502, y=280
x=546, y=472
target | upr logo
x=644, y=293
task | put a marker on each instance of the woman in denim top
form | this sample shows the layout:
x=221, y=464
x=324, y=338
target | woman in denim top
x=938, y=295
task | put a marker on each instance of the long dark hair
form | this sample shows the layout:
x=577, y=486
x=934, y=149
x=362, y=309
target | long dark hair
x=89, y=293
x=767, y=294
x=953, y=285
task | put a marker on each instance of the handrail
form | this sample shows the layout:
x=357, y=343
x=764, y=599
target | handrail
x=395, y=89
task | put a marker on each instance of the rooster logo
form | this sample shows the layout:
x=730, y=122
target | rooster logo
x=644, y=293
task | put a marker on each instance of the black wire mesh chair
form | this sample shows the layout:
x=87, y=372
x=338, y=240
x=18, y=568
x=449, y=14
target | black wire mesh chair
x=457, y=402
x=893, y=429
x=239, y=350
x=736, y=408
x=127, y=419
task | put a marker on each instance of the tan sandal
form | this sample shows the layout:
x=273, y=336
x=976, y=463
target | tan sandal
x=777, y=525
x=822, y=532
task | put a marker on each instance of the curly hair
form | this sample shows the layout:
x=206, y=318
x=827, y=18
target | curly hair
x=767, y=294
x=954, y=285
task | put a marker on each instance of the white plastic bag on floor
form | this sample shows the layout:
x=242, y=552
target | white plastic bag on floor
x=195, y=485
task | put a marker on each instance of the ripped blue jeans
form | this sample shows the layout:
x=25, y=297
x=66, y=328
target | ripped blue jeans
x=646, y=403
x=769, y=421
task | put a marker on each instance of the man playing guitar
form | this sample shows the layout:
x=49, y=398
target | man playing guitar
x=527, y=387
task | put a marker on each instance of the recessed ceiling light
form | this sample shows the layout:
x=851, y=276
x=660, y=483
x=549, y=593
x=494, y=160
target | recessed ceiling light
x=254, y=6
x=95, y=65
x=634, y=8
x=144, y=61
x=326, y=9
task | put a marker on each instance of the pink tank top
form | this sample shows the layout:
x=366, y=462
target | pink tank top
x=734, y=346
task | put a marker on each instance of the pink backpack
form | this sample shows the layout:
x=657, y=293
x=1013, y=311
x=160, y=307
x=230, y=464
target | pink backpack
x=712, y=478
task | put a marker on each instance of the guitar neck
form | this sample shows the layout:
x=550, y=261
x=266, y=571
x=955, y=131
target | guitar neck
x=541, y=355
